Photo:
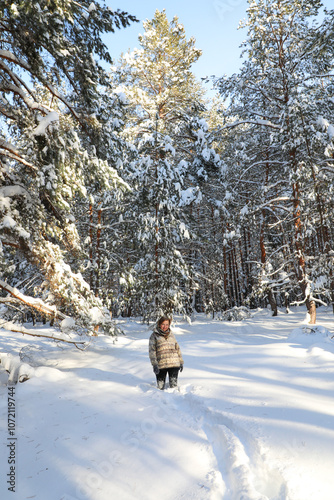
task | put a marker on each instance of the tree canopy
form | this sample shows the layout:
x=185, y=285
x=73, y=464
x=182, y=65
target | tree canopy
x=130, y=192
x=50, y=84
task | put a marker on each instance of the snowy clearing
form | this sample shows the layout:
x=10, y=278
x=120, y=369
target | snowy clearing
x=253, y=419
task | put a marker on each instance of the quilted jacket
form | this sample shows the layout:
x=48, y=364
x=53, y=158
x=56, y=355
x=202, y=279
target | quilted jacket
x=164, y=350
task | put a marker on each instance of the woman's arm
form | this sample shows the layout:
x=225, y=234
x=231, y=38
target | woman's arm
x=152, y=350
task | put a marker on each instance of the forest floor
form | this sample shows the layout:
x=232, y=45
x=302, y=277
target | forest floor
x=252, y=418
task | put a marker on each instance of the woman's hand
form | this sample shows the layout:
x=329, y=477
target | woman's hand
x=156, y=369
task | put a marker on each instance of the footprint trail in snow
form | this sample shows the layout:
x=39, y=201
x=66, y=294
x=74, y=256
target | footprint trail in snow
x=238, y=471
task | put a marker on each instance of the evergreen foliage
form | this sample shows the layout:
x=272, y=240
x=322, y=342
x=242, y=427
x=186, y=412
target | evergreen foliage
x=164, y=124
x=130, y=192
x=281, y=98
x=50, y=85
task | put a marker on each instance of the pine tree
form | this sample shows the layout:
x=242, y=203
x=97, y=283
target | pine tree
x=50, y=83
x=278, y=97
x=165, y=107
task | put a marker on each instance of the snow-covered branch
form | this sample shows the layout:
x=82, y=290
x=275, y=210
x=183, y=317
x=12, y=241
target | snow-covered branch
x=6, y=54
x=9, y=150
x=13, y=327
x=9, y=56
x=310, y=297
x=18, y=371
x=35, y=303
x=267, y=123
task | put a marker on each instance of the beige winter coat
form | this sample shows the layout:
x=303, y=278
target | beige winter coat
x=164, y=351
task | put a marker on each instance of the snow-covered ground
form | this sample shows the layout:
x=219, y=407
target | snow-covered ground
x=253, y=418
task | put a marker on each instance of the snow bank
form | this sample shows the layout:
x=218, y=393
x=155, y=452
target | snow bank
x=18, y=371
x=307, y=334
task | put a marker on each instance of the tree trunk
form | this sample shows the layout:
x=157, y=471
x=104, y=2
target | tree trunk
x=271, y=297
x=98, y=252
x=272, y=302
x=310, y=304
x=312, y=310
x=91, y=223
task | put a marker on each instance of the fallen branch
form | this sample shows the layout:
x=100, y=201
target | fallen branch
x=13, y=327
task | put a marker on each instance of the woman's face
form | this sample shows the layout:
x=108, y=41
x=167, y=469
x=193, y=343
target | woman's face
x=164, y=326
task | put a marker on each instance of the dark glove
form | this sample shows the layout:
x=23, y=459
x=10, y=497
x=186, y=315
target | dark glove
x=156, y=369
x=181, y=368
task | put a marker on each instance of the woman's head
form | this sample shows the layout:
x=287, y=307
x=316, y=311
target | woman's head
x=164, y=323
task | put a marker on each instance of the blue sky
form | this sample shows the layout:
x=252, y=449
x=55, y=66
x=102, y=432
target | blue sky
x=213, y=23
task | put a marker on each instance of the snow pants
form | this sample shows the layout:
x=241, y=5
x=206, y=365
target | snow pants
x=172, y=375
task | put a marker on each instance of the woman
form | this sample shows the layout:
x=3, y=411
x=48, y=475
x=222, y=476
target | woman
x=165, y=354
